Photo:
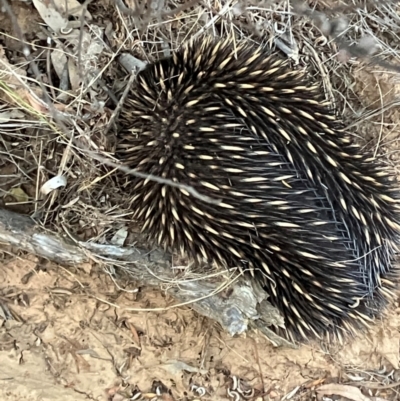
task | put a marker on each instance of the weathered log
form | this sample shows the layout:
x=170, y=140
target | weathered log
x=241, y=308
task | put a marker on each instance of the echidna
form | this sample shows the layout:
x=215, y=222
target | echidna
x=309, y=212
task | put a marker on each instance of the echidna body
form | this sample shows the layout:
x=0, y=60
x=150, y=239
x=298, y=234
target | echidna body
x=296, y=201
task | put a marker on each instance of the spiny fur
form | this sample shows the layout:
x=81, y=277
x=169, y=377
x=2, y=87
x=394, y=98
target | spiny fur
x=310, y=212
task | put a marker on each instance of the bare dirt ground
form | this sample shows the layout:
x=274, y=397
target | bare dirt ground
x=67, y=333
x=71, y=343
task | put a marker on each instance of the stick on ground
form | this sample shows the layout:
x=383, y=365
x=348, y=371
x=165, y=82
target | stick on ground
x=242, y=308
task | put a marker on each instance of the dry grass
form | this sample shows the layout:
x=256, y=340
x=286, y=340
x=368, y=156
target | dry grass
x=64, y=124
x=61, y=126
x=60, y=122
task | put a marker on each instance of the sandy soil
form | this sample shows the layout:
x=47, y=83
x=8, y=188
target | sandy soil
x=73, y=340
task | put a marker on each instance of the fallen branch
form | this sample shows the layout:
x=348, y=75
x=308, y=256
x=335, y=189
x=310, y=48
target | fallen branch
x=241, y=308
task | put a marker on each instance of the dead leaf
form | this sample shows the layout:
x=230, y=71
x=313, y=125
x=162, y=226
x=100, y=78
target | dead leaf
x=54, y=183
x=118, y=397
x=59, y=60
x=176, y=367
x=134, y=333
x=19, y=195
x=120, y=237
x=73, y=72
x=7, y=115
x=50, y=15
x=73, y=7
x=55, y=13
x=35, y=102
x=315, y=383
x=350, y=392
x=149, y=396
